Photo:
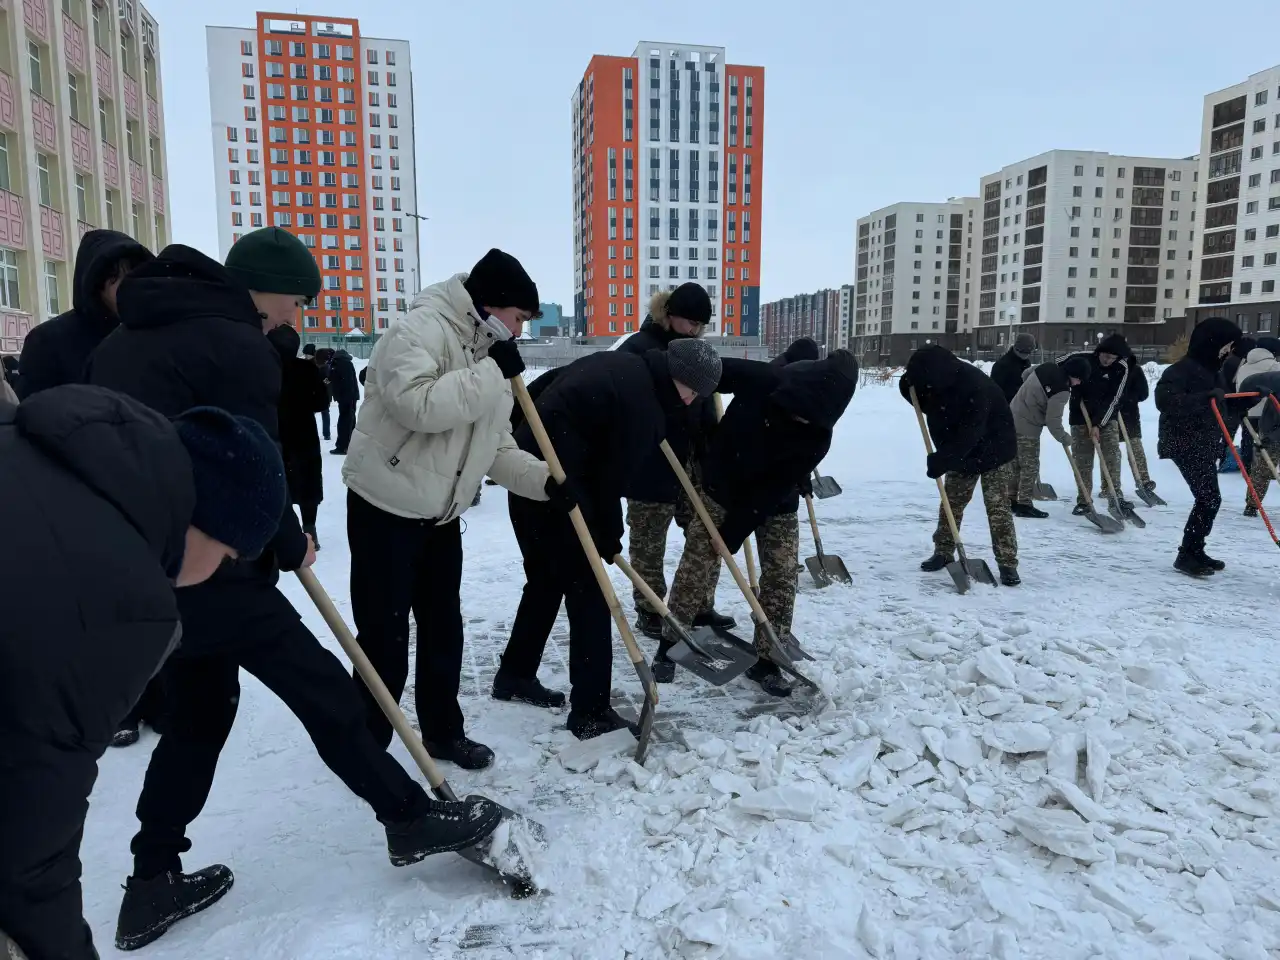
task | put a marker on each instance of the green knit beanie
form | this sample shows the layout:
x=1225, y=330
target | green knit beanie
x=274, y=261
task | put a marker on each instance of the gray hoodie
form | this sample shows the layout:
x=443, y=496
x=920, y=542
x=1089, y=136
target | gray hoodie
x=1041, y=401
x=1260, y=360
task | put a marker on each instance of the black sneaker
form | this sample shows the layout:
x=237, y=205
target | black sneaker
x=338, y=453
x=530, y=691
x=1009, y=576
x=152, y=906
x=770, y=678
x=714, y=618
x=315, y=537
x=1080, y=510
x=1191, y=565
x=126, y=736
x=1207, y=560
x=462, y=752
x=935, y=563
x=1251, y=511
x=649, y=624
x=446, y=825
x=589, y=724
x=1028, y=511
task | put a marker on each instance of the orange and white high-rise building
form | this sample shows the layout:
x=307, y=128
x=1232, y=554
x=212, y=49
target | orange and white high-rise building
x=668, y=148
x=313, y=132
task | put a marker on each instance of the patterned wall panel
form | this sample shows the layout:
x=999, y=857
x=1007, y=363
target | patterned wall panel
x=14, y=328
x=157, y=195
x=43, y=126
x=81, y=229
x=73, y=43
x=52, y=238
x=137, y=182
x=13, y=224
x=35, y=14
x=81, y=147
x=110, y=165
x=153, y=114
x=106, y=72
x=8, y=108
x=132, y=98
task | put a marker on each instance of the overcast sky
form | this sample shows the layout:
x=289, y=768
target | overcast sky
x=865, y=104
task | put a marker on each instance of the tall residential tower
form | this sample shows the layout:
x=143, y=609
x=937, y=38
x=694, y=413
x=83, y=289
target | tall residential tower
x=668, y=148
x=313, y=132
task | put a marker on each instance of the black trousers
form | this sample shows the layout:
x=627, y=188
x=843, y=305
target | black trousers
x=400, y=565
x=204, y=692
x=1200, y=470
x=556, y=569
x=324, y=421
x=309, y=512
x=150, y=708
x=346, y=425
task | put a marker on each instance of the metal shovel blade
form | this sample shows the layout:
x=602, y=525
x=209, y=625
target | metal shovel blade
x=500, y=853
x=1150, y=497
x=824, y=488
x=790, y=646
x=647, y=715
x=965, y=571
x=1043, y=491
x=714, y=654
x=1131, y=515
x=826, y=569
x=1103, y=522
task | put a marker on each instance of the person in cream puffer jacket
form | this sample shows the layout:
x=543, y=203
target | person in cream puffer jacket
x=436, y=419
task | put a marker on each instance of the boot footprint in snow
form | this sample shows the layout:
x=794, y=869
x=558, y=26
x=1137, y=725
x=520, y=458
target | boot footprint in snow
x=150, y=907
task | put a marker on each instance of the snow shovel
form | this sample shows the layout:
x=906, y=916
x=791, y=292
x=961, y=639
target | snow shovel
x=825, y=568
x=824, y=488
x=1253, y=493
x=712, y=653
x=778, y=653
x=1115, y=503
x=647, y=682
x=790, y=645
x=1101, y=521
x=1043, y=491
x=508, y=864
x=1258, y=449
x=963, y=571
x=1149, y=497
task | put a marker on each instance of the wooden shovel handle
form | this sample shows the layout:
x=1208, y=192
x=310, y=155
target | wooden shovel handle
x=534, y=419
x=1128, y=449
x=942, y=487
x=1083, y=490
x=757, y=611
x=646, y=591
x=813, y=524
x=1097, y=446
x=354, y=652
x=1258, y=448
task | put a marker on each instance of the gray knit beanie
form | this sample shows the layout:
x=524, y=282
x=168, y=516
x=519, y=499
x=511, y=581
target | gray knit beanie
x=1024, y=344
x=696, y=364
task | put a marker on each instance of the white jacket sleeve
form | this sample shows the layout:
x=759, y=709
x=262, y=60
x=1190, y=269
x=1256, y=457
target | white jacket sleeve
x=518, y=471
x=421, y=397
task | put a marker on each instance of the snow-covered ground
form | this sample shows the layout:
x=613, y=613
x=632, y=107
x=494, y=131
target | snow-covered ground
x=1085, y=766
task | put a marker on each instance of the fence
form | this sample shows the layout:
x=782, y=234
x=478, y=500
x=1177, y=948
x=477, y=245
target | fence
x=1146, y=353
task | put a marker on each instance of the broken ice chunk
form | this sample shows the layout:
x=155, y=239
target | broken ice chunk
x=997, y=668
x=919, y=773
x=899, y=760
x=851, y=771
x=1097, y=757
x=710, y=926
x=1087, y=808
x=790, y=802
x=1214, y=894
x=659, y=898
x=963, y=749
x=1017, y=737
x=1241, y=802
x=1061, y=831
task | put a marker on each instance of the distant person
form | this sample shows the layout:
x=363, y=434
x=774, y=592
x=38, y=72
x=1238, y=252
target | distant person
x=346, y=391
x=1038, y=404
x=1009, y=370
x=55, y=352
x=321, y=364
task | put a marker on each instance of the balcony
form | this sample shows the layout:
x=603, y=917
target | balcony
x=53, y=239
x=81, y=147
x=43, y=126
x=110, y=165
x=8, y=109
x=13, y=222
x=35, y=14
x=74, y=45
x=14, y=327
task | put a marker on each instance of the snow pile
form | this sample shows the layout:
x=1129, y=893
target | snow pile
x=1088, y=765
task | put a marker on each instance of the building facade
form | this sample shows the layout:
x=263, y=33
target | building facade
x=916, y=279
x=1239, y=206
x=812, y=315
x=668, y=148
x=549, y=321
x=1075, y=245
x=81, y=145
x=313, y=132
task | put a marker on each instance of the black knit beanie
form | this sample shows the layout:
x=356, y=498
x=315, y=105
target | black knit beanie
x=273, y=260
x=239, y=478
x=1078, y=367
x=694, y=363
x=691, y=302
x=498, y=280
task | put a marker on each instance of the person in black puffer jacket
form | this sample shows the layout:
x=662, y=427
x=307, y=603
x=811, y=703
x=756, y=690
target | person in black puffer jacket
x=1190, y=434
x=346, y=392
x=1136, y=390
x=303, y=394
x=774, y=433
x=972, y=428
x=1010, y=370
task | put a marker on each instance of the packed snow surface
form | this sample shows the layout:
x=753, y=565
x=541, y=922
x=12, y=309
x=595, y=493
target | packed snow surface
x=1085, y=766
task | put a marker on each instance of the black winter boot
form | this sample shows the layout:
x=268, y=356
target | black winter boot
x=1080, y=510
x=446, y=825
x=1028, y=511
x=649, y=624
x=664, y=669
x=1009, y=576
x=935, y=563
x=1207, y=560
x=1191, y=565
x=465, y=753
x=589, y=724
x=530, y=691
x=713, y=618
x=1250, y=511
x=152, y=906
x=770, y=678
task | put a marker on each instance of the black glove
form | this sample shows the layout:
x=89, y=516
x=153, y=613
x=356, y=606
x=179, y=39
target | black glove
x=506, y=355
x=1217, y=393
x=806, y=485
x=1261, y=389
x=560, y=496
x=934, y=467
x=607, y=545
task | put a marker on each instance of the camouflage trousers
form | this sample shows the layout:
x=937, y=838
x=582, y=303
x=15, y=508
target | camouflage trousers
x=1082, y=454
x=1026, y=469
x=778, y=540
x=647, y=528
x=1260, y=474
x=995, y=494
x=1143, y=478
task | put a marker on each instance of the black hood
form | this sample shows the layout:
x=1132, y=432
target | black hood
x=286, y=340
x=1116, y=345
x=933, y=369
x=1208, y=338
x=818, y=390
x=182, y=284
x=802, y=349
x=126, y=452
x=96, y=259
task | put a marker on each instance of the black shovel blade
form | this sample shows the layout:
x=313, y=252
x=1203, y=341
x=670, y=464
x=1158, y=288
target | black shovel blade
x=503, y=852
x=714, y=654
x=1115, y=509
x=1130, y=514
x=1150, y=498
x=1043, y=491
x=645, y=733
x=826, y=569
x=1103, y=522
x=791, y=648
x=824, y=488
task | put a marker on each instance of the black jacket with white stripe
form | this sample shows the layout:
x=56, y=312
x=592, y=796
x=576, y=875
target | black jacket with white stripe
x=1103, y=392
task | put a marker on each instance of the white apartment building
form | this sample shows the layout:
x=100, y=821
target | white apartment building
x=915, y=278
x=81, y=146
x=1239, y=205
x=1073, y=245
x=313, y=132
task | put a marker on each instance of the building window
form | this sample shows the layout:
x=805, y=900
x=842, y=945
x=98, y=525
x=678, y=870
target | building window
x=9, y=296
x=4, y=162
x=82, y=198
x=52, y=305
x=44, y=182
x=1246, y=288
x=37, y=69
